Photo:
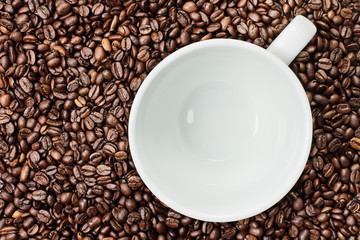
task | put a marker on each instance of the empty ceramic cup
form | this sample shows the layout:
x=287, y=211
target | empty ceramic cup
x=221, y=129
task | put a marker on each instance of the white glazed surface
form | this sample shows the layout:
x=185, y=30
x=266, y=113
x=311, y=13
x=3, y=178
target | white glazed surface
x=293, y=39
x=220, y=130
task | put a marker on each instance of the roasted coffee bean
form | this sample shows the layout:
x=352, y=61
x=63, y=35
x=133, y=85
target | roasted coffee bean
x=88, y=170
x=328, y=170
x=117, y=70
x=324, y=63
x=334, y=145
x=39, y=195
x=43, y=216
x=321, y=141
x=320, y=99
x=189, y=7
x=63, y=8
x=103, y=170
x=4, y=118
x=355, y=143
x=99, y=53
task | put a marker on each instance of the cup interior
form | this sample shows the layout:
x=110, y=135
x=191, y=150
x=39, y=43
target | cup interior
x=220, y=130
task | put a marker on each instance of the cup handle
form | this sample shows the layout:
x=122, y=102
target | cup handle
x=293, y=39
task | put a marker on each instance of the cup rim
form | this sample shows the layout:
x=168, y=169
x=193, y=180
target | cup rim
x=285, y=188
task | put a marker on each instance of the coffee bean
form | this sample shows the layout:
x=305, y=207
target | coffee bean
x=189, y=7
x=355, y=143
x=324, y=63
x=320, y=99
x=298, y=204
x=328, y=170
x=25, y=85
x=39, y=195
x=143, y=56
x=346, y=13
x=255, y=17
x=50, y=34
x=63, y=8
x=321, y=141
x=103, y=170
x=4, y=119
x=43, y=216
x=182, y=18
x=41, y=178
x=86, y=53
x=97, y=9
x=172, y=222
x=334, y=145
x=123, y=94
x=343, y=108
x=126, y=44
x=84, y=11
x=94, y=222
x=336, y=55
x=99, y=54
x=344, y=65
x=106, y=44
x=228, y=231
x=5, y=100
x=134, y=180
x=117, y=70
x=88, y=170
x=43, y=12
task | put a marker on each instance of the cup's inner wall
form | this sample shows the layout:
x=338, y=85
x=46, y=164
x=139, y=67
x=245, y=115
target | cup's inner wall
x=220, y=129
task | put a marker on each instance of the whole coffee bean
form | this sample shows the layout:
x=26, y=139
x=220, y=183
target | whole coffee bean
x=182, y=18
x=88, y=170
x=50, y=34
x=25, y=85
x=321, y=141
x=298, y=204
x=63, y=8
x=99, y=54
x=97, y=9
x=43, y=216
x=355, y=143
x=346, y=13
x=109, y=149
x=43, y=12
x=94, y=222
x=324, y=63
x=189, y=7
x=334, y=145
x=41, y=178
x=336, y=55
x=328, y=170
x=103, y=170
x=39, y=195
x=343, y=108
x=106, y=44
x=117, y=70
x=84, y=11
x=320, y=99
x=172, y=222
x=344, y=65
x=228, y=231
x=5, y=100
x=86, y=53
x=4, y=119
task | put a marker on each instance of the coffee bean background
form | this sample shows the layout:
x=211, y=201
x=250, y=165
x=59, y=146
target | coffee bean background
x=69, y=71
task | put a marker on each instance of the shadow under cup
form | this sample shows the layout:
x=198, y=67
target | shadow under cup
x=221, y=131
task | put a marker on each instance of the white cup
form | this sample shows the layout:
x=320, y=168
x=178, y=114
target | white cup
x=221, y=129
